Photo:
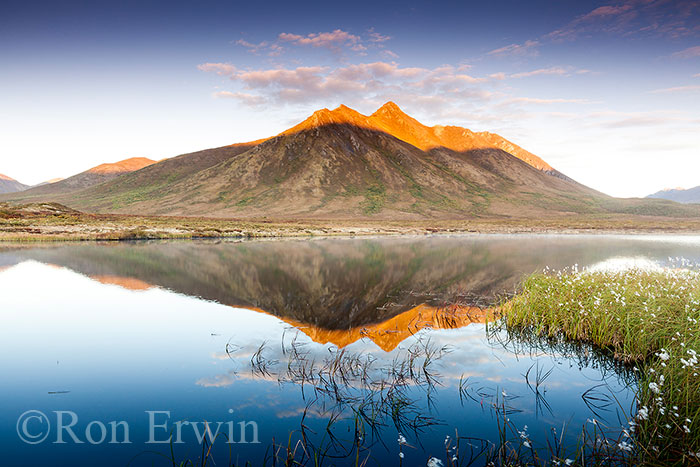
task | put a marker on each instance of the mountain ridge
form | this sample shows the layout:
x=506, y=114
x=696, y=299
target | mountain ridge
x=10, y=185
x=342, y=164
x=680, y=195
x=88, y=178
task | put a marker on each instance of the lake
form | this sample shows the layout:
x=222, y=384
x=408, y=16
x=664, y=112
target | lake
x=344, y=349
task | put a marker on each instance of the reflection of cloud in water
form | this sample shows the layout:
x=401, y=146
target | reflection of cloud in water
x=218, y=381
x=624, y=263
x=470, y=356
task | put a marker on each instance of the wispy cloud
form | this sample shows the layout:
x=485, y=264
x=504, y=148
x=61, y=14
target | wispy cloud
x=634, y=17
x=336, y=41
x=615, y=120
x=663, y=18
x=446, y=93
x=688, y=88
x=690, y=52
x=528, y=48
x=333, y=40
x=320, y=83
x=245, y=98
x=555, y=70
x=537, y=100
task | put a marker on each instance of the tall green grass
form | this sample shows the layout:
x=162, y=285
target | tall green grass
x=646, y=319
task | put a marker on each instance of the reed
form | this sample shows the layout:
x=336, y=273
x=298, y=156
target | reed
x=648, y=320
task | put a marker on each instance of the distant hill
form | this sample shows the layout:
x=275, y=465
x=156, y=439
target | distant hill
x=48, y=182
x=691, y=195
x=10, y=185
x=343, y=164
x=91, y=177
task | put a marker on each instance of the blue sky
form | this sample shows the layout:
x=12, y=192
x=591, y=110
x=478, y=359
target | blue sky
x=606, y=92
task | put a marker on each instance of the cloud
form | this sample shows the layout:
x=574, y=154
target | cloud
x=638, y=121
x=444, y=94
x=555, y=70
x=253, y=48
x=536, y=100
x=336, y=41
x=245, y=98
x=330, y=40
x=222, y=69
x=690, y=52
x=611, y=119
x=376, y=37
x=528, y=48
x=374, y=80
x=655, y=18
x=689, y=88
x=634, y=17
x=696, y=76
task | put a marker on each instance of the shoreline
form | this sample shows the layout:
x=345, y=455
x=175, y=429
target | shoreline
x=51, y=222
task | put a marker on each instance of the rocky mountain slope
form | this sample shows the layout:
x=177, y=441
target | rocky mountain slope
x=340, y=163
x=10, y=185
x=91, y=177
x=343, y=164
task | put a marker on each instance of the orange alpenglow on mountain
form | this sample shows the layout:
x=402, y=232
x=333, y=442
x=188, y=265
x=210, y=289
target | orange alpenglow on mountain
x=127, y=165
x=390, y=119
x=337, y=164
x=10, y=185
x=387, y=335
x=49, y=190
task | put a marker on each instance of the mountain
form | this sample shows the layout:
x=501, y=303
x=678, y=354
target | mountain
x=94, y=176
x=10, y=185
x=48, y=182
x=691, y=195
x=343, y=164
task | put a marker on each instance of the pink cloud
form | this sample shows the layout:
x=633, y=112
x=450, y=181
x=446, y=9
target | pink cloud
x=630, y=17
x=555, y=70
x=224, y=69
x=689, y=88
x=527, y=48
x=536, y=100
x=330, y=40
x=336, y=41
x=690, y=52
x=245, y=98
x=370, y=80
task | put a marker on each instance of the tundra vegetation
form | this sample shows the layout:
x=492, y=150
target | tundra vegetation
x=644, y=319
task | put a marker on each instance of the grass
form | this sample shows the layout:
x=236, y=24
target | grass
x=363, y=403
x=645, y=319
x=44, y=222
x=375, y=196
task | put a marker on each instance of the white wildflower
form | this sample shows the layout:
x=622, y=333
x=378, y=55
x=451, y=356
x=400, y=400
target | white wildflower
x=643, y=413
x=625, y=446
x=434, y=462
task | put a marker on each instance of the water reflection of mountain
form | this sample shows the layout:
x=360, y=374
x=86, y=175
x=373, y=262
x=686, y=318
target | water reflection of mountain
x=339, y=284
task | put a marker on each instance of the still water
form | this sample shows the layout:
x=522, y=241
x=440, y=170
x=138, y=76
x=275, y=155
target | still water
x=344, y=349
